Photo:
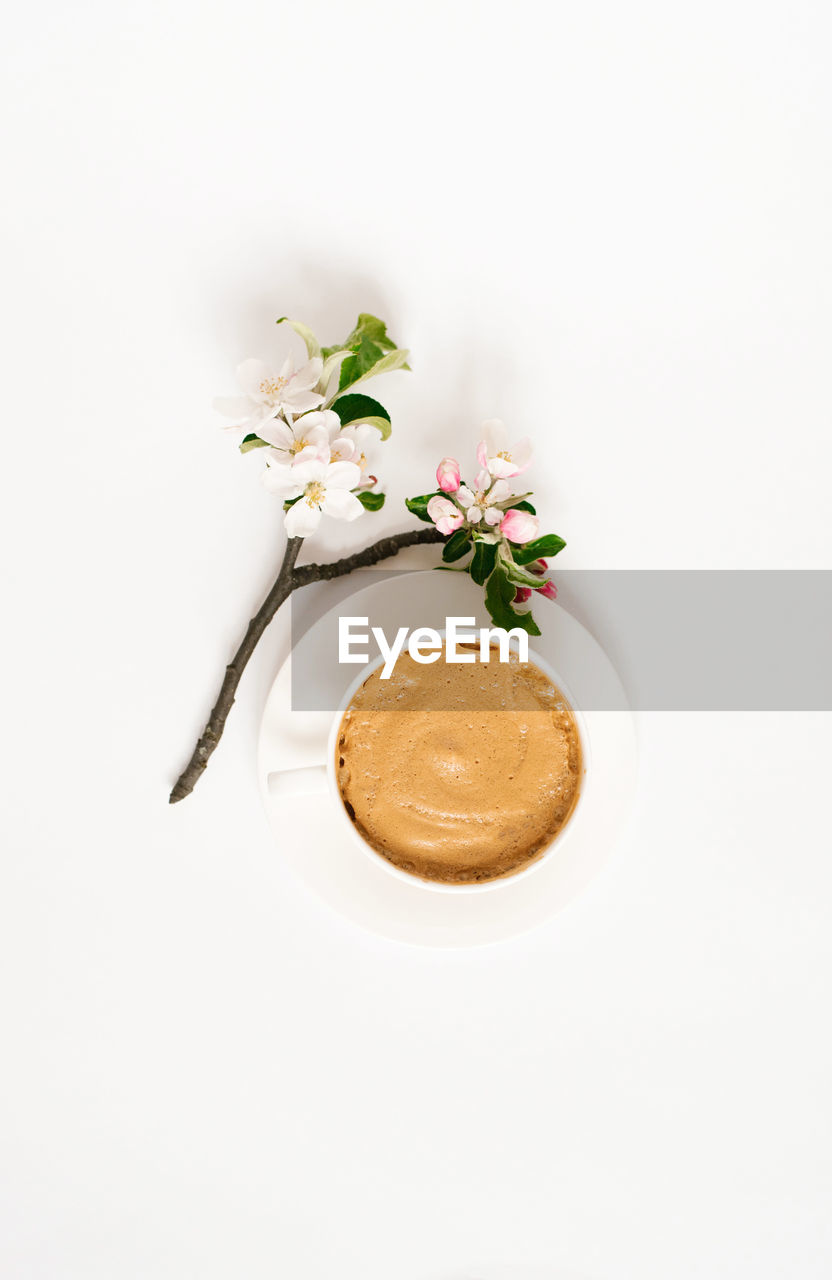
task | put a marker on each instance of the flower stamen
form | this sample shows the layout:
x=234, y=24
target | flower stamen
x=314, y=493
x=272, y=387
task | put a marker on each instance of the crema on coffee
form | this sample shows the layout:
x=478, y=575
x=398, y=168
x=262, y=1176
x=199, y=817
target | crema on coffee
x=459, y=773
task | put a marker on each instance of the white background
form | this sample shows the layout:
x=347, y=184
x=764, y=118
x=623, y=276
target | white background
x=608, y=224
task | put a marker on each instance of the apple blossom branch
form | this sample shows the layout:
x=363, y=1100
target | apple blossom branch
x=317, y=434
x=289, y=579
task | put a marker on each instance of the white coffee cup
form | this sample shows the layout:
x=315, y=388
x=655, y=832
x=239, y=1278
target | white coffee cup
x=322, y=778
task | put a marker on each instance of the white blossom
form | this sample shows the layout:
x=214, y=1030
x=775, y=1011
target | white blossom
x=267, y=394
x=479, y=503
x=356, y=444
x=322, y=488
x=503, y=460
x=306, y=438
x=445, y=514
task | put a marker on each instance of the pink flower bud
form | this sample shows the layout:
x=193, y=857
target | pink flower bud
x=445, y=514
x=522, y=594
x=519, y=526
x=447, y=475
x=549, y=590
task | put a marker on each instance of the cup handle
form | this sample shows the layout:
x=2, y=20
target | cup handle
x=298, y=782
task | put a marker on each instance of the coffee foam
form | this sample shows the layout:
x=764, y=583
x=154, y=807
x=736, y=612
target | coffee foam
x=459, y=773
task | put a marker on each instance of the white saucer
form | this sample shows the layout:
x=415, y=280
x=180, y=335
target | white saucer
x=355, y=886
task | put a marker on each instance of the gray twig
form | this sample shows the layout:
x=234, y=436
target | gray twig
x=288, y=580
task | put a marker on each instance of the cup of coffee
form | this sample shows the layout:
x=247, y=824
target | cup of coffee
x=461, y=776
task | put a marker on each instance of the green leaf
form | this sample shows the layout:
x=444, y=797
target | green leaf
x=367, y=326
x=366, y=354
x=356, y=408
x=458, y=545
x=252, y=441
x=419, y=506
x=482, y=565
x=333, y=358
x=524, y=506
x=359, y=408
x=499, y=598
x=382, y=425
x=368, y=361
x=370, y=350
x=549, y=545
x=371, y=501
x=522, y=577
x=517, y=574
x=313, y=347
